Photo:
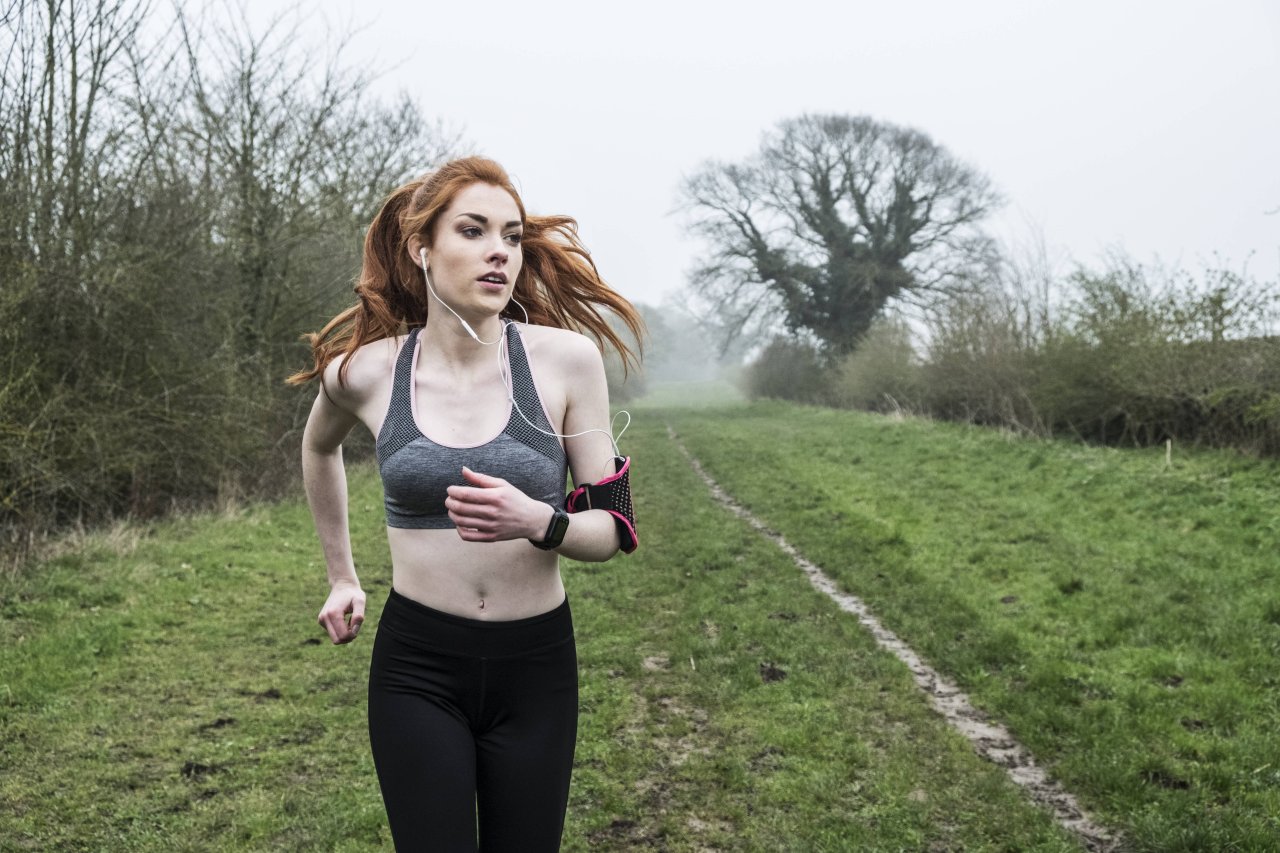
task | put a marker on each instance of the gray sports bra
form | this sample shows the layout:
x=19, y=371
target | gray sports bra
x=416, y=470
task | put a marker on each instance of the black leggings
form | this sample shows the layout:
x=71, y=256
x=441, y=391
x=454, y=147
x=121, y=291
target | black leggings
x=466, y=714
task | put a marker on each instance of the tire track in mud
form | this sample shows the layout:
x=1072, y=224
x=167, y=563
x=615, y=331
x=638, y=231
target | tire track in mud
x=990, y=739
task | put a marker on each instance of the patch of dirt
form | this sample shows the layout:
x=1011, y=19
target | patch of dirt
x=655, y=663
x=304, y=734
x=196, y=771
x=678, y=750
x=622, y=834
x=770, y=673
x=1071, y=587
x=678, y=733
x=221, y=722
x=700, y=826
x=767, y=759
x=989, y=738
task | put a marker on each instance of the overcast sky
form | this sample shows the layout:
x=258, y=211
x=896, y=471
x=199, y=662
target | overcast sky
x=1152, y=127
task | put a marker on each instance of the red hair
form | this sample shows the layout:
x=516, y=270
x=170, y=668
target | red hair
x=558, y=283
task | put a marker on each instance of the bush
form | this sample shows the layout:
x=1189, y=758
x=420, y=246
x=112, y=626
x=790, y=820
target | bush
x=157, y=268
x=788, y=370
x=1134, y=356
x=882, y=374
x=978, y=372
x=1145, y=357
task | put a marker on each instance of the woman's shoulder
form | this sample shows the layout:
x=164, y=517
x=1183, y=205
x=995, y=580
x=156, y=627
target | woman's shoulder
x=370, y=368
x=565, y=347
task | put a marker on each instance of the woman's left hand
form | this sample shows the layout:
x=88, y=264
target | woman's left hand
x=490, y=509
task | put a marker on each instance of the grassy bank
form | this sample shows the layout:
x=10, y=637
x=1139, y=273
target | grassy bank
x=173, y=693
x=1121, y=615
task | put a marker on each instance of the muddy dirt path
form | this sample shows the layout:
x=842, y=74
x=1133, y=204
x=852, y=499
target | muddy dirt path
x=991, y=740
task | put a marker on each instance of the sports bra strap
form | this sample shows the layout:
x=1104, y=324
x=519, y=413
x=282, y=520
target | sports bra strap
x=399, y=428
x=528, y=403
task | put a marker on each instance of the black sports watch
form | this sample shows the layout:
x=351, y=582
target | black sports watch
x=555, y=531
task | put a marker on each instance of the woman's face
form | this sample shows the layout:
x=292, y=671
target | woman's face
x=475, y=253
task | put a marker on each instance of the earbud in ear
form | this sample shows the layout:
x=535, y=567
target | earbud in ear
x=422, y=253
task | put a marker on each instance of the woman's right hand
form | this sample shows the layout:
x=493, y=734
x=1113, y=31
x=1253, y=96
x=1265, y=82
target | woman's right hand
x=345, y=599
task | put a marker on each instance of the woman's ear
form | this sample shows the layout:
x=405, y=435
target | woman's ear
x=418, y=249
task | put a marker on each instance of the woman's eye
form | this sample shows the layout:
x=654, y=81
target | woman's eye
x=471, y=231
x=514, y=239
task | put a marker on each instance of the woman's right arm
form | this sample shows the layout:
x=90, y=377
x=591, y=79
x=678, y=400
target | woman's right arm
x=325, y=480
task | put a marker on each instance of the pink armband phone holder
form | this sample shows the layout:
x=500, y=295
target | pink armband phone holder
x=613, y=495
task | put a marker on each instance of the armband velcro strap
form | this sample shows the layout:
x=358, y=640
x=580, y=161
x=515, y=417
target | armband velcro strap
x=613, y=495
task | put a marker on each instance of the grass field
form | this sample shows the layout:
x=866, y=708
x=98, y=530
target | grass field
x=167, y=689
x=1121, y=615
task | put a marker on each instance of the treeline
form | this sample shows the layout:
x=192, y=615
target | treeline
x=1123, y=354
x=836, y=224
x=180, y=198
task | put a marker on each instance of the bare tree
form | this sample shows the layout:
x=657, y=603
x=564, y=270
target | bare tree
x=179, y=200
x=60, y=88
x=834, y=218
x=299, y=154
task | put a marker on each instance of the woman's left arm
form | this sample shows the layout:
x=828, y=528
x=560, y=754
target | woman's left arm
x=592, y=535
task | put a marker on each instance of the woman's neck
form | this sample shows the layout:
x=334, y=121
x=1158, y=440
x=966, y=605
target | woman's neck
x=445, y=336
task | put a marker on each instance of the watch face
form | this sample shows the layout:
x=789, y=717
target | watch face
x=555, y=531
x=559, y=524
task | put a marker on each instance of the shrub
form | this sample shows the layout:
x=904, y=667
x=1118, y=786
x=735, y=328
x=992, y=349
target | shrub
x=981, y=366
x=1129, y=355
x=787, y=370
x=163, y=245
x=883, y=372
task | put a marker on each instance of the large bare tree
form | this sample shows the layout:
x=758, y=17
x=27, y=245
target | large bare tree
x=181, y=195
x=298, y=150
x=834, y=218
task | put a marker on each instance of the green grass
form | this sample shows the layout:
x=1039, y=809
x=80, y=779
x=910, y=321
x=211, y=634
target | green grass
x=175, y=694
x=1123, y=618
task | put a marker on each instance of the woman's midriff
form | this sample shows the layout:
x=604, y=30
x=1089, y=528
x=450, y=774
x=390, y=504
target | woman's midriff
x=479, y=580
